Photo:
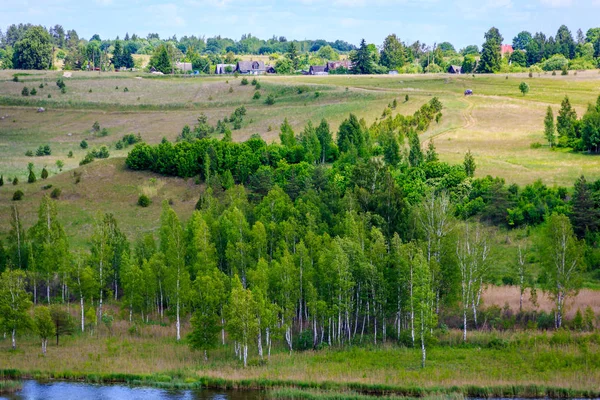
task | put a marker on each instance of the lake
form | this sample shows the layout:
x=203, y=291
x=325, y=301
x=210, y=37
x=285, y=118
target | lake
x=33, y=390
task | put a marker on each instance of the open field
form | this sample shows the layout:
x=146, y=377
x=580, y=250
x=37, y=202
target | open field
x=498, y=124
x=528, y=359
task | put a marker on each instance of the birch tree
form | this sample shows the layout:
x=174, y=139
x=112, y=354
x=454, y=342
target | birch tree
x=44, y=326
x=562, y=261
x=241, y=317
x=101, y=259
x=472, y=252
x=83, y=283
x=173, y=246
x=14, y=304
x=423, y=300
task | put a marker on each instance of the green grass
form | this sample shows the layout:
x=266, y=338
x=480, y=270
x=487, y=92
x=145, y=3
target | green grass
x=498, y=124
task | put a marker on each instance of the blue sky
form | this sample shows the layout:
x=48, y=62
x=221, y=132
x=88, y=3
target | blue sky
x=461, y=22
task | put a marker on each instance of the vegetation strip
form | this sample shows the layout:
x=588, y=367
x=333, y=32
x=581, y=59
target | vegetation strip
x=283, y=388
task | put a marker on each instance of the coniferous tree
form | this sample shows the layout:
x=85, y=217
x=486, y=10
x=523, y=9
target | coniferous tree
x=585, y=215
x=415, y=155
x=490, y=53
x=549, y=128
x=469, y=164
x=362, y=63
x=565, y=122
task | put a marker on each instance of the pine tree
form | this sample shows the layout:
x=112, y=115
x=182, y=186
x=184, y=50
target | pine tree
x=44, y=173
x=431, y=155
x=469, y=164
x=117, y=59
x=549, y=128
x=292, y=55
x=362, y=63
x=490, y=53
x=565, y=122
x=415, y=154
x=585, y=215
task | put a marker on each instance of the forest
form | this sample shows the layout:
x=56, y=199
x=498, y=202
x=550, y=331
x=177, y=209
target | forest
x=25, y=46
x=326, y=239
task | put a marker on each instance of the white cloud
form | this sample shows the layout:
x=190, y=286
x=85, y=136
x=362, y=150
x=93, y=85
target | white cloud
x=557, y=3
x=165, y=15
x=104, y=2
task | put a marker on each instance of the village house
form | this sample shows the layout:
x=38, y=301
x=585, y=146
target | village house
x=455, y=69
x=250, y=67
x=185, y=66
x=506, y=49
x=221, y=69
x=331, y=65
x=317, y=70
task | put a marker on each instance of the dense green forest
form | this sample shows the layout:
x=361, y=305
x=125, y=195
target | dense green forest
x=25, y=46
x=314, y=242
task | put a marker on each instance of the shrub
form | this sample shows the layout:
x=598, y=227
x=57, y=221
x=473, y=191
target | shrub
x=317, y=94
x=49, y=96
x=119, y=145
x=15, y=78
x=104, y=132
x=83, y=145
x=18, y=195
x=46, y=187
x=29, y=153
x=144, y=201
x=565, y=71
x=270, y=100
x=31, y=178
x=555, y=63
x=535, y=145
x=524, y=88
x=33, y=92
x=60, y=165
x=406, y=98
x=257, y=86
x=15, y=181
x=230, y=89
x=126, y=90
x=89, y=157
x=244, y=81
x=44, y=173
x=256, y=95
x=25, y=91
x=63, y=90
x=55, y=194
x=60, y=83
x=70, y=154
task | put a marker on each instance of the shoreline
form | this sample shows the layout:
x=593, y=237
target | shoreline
x=166, y=381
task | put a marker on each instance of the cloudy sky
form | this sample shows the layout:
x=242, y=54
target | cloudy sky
x=461, y=22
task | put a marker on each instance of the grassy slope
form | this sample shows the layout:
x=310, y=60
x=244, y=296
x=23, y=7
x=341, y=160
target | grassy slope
x=154, y=351
x=498, y=124
x=106, y=186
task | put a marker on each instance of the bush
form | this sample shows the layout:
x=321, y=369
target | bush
x=15, y=181
x=70, y=154
x=33, y=92
x=89, y=157
x=44, y=173
x=144, y=201
x=535, y=145
x=257, y=86
x=18, y=195
x=83, y=144
x=119, y=145
x=126, y=90
x=230, y=89
x=31, y=178
x=60, y=83
x=15, y=78
x=104, y=132
x=555, y=63
x=63, y=90
x=1, y=180
x=244, y=81
x=270, y=100
x=25, y=91
x=29, y=153
x=55, y=194
x=256, y=95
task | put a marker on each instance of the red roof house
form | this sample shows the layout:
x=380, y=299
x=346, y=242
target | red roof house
x=506, y=49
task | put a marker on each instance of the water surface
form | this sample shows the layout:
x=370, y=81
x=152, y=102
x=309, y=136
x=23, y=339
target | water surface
x=33, y=390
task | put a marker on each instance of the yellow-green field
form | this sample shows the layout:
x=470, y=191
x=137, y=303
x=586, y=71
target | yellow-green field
x=497, y=124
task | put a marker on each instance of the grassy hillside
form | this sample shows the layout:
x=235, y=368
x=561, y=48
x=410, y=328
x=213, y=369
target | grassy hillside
x=498, y=124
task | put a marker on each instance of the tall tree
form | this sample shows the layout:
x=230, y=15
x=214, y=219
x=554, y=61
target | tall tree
x=241, y=320
x=160, y=60
x=521, y=41
x=490, y=53
x=34, y=50
x=566, y=121
x=173, y=246
x=292, y=55
x=392, y=54
x=561, y=255
x=362, y=62
x=14, y=304
x=585, y=215
x=549, y=128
